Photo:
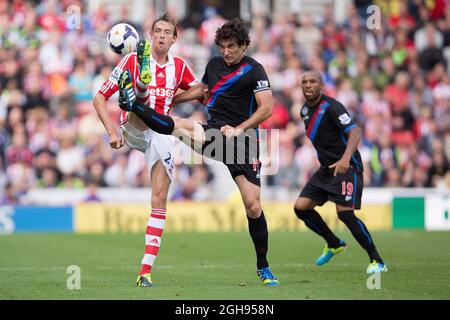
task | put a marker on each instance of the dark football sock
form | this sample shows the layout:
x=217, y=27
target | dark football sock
x=260, y=237
x=361, y=234
x=314, y=221
x=158, y=122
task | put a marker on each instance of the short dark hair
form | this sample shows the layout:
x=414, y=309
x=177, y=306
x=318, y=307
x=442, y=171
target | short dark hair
x=167, y=18
x=233, y=30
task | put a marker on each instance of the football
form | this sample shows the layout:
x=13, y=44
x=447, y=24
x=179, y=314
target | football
x=122, y=38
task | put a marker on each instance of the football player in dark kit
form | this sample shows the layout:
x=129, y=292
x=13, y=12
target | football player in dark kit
x=340, y=176
x=239, y=98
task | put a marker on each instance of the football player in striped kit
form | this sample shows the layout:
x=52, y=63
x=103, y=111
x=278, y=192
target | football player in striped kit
x=239, y=99
x=158, y=75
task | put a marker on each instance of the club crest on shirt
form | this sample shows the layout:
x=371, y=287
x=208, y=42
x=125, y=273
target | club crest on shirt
x=304, y=113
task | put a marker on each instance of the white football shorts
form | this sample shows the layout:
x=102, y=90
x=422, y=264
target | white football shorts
x=155, y=146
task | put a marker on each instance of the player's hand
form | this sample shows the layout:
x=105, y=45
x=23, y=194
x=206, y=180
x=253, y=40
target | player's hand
x=205, y=96
x=229, y=131
x=340, y=166
x=116, y=141
x=175, y=99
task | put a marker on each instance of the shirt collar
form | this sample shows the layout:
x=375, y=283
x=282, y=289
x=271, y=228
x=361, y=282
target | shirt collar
x=169, y=62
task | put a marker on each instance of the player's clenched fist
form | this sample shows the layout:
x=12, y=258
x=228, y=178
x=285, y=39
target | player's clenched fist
x=116, y=141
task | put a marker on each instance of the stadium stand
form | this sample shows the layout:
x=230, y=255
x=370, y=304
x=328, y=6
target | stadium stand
x=395, y=81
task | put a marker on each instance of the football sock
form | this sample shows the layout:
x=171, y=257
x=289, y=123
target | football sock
x=260, y=237
x=361, y=234
x=314, y=221
x=142, y=92
x=155, y=227
x=158, y=122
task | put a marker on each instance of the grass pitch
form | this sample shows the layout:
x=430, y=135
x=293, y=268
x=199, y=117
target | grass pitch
x=221, y=266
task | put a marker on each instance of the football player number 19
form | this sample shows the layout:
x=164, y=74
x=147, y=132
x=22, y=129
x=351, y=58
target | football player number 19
x=347, y=188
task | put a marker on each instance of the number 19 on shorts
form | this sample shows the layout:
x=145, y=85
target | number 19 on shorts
x=347, y=188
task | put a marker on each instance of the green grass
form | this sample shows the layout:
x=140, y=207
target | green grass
x=221, y=266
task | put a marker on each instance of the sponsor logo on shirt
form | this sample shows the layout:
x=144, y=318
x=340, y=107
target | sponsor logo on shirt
x=161, y=92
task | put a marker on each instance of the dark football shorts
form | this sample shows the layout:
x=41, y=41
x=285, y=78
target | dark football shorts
x=344, y=189
x=239, y=154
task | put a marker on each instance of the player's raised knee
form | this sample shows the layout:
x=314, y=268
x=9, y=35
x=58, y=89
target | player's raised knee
x=253, y=208
x=298, y=213
x=301, y=213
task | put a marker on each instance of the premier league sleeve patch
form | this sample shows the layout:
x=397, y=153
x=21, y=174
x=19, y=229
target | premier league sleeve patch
x=115, y=75
x=261, y=85
x=344, y=119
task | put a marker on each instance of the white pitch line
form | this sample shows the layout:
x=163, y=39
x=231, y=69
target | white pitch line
x=216, y=266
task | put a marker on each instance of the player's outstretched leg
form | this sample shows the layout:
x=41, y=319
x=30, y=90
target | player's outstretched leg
x=188, y=131
x=127, y=101
x=362, y=235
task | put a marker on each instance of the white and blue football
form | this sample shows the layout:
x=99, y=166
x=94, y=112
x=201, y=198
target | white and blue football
x=122, y=38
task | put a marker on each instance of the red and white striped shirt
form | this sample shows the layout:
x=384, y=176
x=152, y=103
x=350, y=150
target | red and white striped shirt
x=166, y=79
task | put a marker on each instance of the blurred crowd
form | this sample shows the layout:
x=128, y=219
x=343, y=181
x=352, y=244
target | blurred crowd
x=392, y=75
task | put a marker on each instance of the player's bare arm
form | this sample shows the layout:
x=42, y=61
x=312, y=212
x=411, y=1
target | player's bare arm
x=264, y=100
x=115, y=138
x=343, y=164
x=197, y=92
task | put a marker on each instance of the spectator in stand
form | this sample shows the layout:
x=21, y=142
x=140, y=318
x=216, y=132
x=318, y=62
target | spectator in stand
x=48, y=179
x=9, y=196
x=92, y=192
x=429, y=44
x=308, y=35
